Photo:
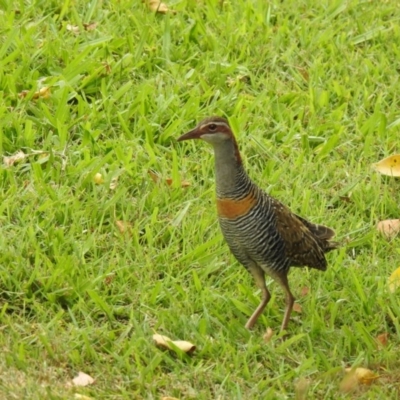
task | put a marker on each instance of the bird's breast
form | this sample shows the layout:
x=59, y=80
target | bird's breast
x=232, y=208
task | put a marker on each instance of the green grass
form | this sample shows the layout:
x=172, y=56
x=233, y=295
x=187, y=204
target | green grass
x=311, y=89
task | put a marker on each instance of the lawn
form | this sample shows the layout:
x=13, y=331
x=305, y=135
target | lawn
x=108, y=228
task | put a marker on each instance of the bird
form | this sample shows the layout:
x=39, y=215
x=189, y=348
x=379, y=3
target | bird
x=262, y=233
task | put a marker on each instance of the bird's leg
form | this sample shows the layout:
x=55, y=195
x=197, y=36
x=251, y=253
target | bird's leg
x=289, y=298
x=258, y=275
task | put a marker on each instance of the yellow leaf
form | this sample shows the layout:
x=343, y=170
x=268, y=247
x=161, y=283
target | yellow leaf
x=389, y=227
x=363, y=375
x=72, y=28
x=388, y=166
x=158, y=6
x=394, y=280
x=43, y=93
x=165, y=341
x=82, y=397
x=98, y=179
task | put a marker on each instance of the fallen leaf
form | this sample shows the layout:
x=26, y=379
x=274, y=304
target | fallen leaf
x=301, y=388
x=157, y=6
x=349, y=382
x=43, y=93
x=91, y=26
x=82, y=379
x=268, y=335
x=108, y=279
x=169, y=398
x=98, y=179
x=156, y=178
x=394, y=280
x=123, y=226
x=82, y=397
x=383, y=339
x=165, y=341
x=304, y=291
x=11, y=160
x=297, y=308
x=363, y=375
x=389, y=227
x=388, y=166
x=72, y=28
x=114, y=183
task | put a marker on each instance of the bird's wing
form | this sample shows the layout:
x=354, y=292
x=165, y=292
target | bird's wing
x=301, y=246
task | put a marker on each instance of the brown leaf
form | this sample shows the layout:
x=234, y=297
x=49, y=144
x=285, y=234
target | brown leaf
x=268, y=335
x=123, y=226
x=383, y=339
x=165, y=342
x=349, y=382
x=389, y=227
x=297, y=308
x=304, y=291
x=363, y=375
x=43, y=93
x=11, y=160
x=91, y=26
x=169, y=398
x=82, y=379
x=388, y=166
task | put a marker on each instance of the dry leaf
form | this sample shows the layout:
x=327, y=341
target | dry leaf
x=82, y=379
x=388, y=166
x=98, y=179
x=11, y=160
x=157, y=6
x=169, y=398
x=82, y=397
x=114, y=183
x=389, y=227
x=297, y=308
x=73, y=28
x=43, y=93
x=165, y=341
x=156, y=178
x=394, y=280
x=108, y=279
x=91, y=26
x=383, y=339
x=349, y=382
x=268, y=335
x=301, y=388
x=304, y=291
x=363, y=375
x=123, y=226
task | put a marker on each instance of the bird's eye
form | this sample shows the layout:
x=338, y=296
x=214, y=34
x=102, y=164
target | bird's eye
x=212, y=127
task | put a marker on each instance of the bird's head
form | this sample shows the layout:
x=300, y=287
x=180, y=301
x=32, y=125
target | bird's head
x=213, y=130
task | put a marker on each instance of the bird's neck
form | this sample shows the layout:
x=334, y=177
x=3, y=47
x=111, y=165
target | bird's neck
x=229, y=171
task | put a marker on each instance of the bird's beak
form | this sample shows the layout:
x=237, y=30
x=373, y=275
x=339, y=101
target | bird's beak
x=193, y=134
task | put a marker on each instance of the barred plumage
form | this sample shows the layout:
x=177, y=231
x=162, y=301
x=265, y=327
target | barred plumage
x=262, y=233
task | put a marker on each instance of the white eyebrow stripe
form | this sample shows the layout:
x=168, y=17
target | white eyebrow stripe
x=215, y=123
